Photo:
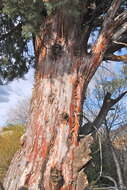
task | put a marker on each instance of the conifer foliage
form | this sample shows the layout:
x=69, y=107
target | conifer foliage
x=19, y=21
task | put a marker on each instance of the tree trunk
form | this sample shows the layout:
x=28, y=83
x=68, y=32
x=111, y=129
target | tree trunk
x=51, y=157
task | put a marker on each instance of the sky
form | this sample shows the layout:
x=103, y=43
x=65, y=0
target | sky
x=13, y=92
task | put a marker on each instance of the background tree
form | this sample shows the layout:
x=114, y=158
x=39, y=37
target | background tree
x=65, y=63
x=20, y=113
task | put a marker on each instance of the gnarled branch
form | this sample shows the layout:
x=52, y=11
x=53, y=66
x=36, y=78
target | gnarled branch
x=108, y=103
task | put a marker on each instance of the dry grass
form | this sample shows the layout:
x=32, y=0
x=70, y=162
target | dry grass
x=9, y=144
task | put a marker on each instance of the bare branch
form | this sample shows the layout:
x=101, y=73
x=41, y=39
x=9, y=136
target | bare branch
x=121, y=18
x=113, y=47
x=112, y=10
x=119, y=38
x=121, y=43
x=114, y=101
x=118, y=58
x=108, y=103
x=120, y=31
x=112, y=180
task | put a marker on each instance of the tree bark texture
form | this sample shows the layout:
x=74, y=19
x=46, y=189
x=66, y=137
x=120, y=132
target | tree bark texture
x=51, y=157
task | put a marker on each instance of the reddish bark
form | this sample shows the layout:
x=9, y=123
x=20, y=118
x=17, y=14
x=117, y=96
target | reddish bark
x=51, y=157
x=48, y=155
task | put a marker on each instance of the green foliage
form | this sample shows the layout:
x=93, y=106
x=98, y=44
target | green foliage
x=19, y=21
x=71, y=8
x=14, y=59
x=29, y=12
x=9, y=144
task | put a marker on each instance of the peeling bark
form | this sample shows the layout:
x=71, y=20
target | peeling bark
x=47, y=158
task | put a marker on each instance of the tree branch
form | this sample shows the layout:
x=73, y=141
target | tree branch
x=112, y=12
x=120, y=31
x=98, y=50
x=120, y=19
x=108, y=103
x=114, y=101
x=119, y=38
x=119, y=58
x=121, y=43
x=113, y=47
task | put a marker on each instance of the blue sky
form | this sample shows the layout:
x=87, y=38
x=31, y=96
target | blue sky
x=13, y=92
